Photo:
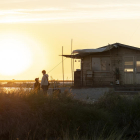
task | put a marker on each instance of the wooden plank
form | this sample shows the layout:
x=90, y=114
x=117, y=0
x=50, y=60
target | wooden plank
x=137, y=78
x=129, y=78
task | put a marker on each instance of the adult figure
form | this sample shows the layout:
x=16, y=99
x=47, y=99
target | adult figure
x=36, y=85
x=44, y=81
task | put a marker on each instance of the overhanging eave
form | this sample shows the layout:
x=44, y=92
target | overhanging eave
x=73, y=56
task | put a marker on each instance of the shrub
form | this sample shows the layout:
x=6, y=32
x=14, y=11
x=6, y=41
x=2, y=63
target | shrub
x=125, y=112
x=35, y=116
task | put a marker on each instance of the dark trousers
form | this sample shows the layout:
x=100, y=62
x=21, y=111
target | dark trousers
x=45, y=88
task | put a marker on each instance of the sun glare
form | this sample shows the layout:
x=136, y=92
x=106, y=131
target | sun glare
x=15, y=57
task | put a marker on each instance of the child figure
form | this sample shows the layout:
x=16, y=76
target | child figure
x=36, y=84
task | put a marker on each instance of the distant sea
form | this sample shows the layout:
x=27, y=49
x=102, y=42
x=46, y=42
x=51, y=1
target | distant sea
x=11, y=89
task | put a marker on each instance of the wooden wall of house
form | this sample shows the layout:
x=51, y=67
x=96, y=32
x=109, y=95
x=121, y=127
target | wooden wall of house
x=116, y=56
x=86, y=65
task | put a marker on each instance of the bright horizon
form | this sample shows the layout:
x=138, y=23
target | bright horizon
x=33, y=32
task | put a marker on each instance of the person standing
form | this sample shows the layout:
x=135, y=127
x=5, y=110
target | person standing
x=36, y=85
x=44, y=81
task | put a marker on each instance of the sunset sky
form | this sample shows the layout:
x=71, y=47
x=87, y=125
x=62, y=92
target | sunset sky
x=34, y=31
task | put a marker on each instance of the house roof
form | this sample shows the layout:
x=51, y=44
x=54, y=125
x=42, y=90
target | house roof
x=105, y=48
x=83, y=52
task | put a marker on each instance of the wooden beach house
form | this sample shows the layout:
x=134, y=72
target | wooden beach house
x=109, y=65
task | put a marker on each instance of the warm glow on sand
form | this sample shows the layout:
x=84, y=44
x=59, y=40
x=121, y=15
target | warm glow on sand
x=15, y=57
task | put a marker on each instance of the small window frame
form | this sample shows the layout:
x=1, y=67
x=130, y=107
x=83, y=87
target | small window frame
x=128, y=65
x=100, y=68
x=137, y=67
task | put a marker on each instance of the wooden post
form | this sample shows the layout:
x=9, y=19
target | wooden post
x=73, y=69
x=62, y=66
x=71, y=63
x=82, y=70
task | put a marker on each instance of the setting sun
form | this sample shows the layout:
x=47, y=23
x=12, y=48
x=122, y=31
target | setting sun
x=32, y=33
x=15, y=57
x=69, y=69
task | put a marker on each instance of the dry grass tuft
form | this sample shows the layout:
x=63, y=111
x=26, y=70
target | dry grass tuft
x=35, y=116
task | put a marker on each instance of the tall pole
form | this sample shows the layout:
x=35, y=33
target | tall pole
x=62, y=66
x=71, y=63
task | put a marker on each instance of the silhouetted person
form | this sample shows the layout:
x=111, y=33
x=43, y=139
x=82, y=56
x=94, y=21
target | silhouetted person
x=36, y=84
x=44, y=82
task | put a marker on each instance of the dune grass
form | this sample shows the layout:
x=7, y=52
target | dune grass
x=35, y=116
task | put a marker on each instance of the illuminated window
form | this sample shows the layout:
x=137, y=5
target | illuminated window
x=138, y=64
x=128, y=70
x=128, y=64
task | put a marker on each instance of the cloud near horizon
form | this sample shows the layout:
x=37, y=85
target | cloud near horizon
x=76, y=13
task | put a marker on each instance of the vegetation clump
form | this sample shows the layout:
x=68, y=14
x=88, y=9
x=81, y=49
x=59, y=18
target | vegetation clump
x=35, y=116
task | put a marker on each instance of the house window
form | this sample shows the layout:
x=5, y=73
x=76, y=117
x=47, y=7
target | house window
x=128, y=64
x=96, y=64
x=101, y=64
x=105, y=64
x=138, y=64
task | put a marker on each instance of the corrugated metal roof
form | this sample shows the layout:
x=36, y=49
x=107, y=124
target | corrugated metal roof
x=83, y=52
x=104, y=48
x=127, y=46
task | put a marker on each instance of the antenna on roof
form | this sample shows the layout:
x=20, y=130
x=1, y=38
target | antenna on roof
x=71, y=62
x=62, y=66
